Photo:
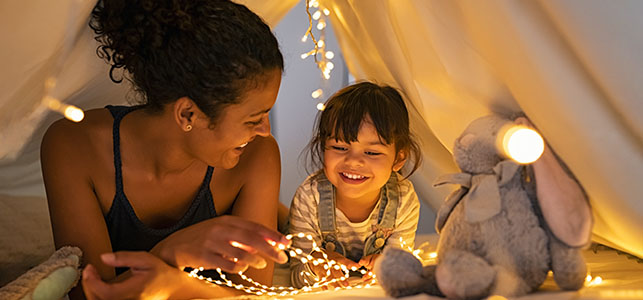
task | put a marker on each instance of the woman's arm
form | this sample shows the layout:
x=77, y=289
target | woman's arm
x=258, y=199
x=75, y=212
x=150, y=277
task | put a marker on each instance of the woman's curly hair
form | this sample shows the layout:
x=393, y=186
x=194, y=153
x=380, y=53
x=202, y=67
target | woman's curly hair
x=208, y=50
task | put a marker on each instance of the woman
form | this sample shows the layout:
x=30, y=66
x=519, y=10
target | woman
x=176, y=178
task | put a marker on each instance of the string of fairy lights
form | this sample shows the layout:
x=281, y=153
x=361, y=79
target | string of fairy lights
x=70, y=112
x=321, y=56
x=324, y=281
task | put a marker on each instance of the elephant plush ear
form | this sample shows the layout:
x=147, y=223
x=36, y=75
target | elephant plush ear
x=447, y=207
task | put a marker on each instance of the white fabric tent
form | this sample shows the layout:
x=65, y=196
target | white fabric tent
x=572, y=66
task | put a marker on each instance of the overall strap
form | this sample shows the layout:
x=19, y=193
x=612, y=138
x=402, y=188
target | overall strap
x=326, y=214
x=390, y=201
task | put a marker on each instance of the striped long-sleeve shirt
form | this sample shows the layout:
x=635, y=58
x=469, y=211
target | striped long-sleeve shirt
x=303, y=219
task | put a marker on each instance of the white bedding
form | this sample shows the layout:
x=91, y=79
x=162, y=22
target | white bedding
x=622, y=278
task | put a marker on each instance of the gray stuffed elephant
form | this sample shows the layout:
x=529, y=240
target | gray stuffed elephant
x=493, y=237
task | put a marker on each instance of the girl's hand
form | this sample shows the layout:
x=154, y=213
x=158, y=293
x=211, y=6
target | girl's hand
x=321, y=272
x=227, y=242
x=368, y=262
x=149, y=277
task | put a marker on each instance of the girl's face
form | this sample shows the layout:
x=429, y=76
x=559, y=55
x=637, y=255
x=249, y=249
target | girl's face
x=238, y=125
x=359, y=169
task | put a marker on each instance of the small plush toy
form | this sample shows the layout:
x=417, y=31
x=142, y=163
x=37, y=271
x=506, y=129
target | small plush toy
x=51, y=279
x=493, y=237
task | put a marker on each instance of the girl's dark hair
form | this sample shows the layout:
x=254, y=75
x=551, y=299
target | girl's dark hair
x=208, y=50
x=345, y=112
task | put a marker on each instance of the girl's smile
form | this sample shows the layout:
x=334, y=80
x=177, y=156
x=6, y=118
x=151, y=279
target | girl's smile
x=359, y=169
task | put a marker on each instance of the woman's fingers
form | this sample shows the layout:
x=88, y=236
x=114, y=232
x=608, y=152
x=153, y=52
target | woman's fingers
x=267, y=234
x=253, y=242
x=91, y=282
x=241, y=254
x=96, y=289
x=135, y=260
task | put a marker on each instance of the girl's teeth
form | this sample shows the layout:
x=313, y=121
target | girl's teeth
x=353, y=176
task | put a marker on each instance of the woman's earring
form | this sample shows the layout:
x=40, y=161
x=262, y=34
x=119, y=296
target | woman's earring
x=188, y=128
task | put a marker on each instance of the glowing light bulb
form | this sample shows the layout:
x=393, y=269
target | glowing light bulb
x=304, y=55
x=522, y=144
x=304, y=38
x=326, y=11
x=321, y=106
x=320, y=44
x=317, y=93
x=329, y=54
x=330, y=65
x=317, y=15
x=74, y=113
x=321, y=25
x=70, y=112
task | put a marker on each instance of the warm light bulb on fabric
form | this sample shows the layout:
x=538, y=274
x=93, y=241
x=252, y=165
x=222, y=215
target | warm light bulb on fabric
x=321, y=106
x=317, y=93
x=70, y=112
x=74, y=113
x=321, y=25
x=330, y=54
x=523, y=145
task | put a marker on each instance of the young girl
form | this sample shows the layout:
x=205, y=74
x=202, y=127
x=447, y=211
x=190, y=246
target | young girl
x=358, y=202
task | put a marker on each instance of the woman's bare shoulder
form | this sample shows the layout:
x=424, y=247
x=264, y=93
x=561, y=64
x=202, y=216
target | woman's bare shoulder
x=262, y=153
x=78, y=140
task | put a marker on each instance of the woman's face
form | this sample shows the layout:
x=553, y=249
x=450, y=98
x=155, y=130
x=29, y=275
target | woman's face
x=238, y=124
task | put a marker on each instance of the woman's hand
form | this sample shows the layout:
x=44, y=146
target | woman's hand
x=227, y=242
x=149, y=277
x=334, y=274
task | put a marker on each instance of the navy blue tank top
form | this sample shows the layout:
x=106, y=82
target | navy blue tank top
x=126, y=231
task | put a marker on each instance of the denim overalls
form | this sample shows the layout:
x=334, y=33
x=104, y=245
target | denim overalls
x=390, y=201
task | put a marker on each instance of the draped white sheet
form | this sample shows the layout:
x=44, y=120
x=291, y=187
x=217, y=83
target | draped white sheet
x=50, y=39
x=574, y=67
